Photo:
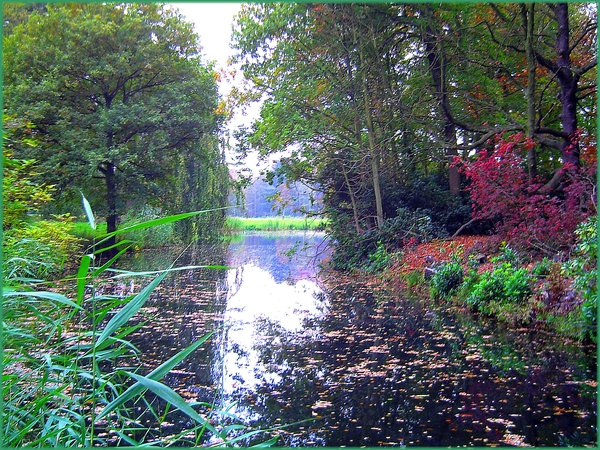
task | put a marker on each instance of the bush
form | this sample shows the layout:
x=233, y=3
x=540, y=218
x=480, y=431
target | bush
x=505, y=284
x=40, y=249
x=542, y=268
x=378, y=260
x=429, y=196
x=446, y=280
x=582, y=268
x=525, y=213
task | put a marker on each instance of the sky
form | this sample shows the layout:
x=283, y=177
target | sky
x=213, y=22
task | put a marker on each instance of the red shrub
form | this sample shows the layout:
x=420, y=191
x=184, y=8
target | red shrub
x=524, y=213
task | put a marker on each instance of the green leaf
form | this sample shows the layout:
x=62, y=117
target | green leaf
x=161, y=221
x=172, y=397
x=82, y=277
x=127, y=273
x=128, y=310
x=42, y=294
x=271, y=442
x=156, y=374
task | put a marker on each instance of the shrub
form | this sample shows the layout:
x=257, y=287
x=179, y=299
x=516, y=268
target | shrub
x=505, y=284
x=428, y=195
x=582, y=268
x=446, y=280
x=542, y=268
x=378, y=260
x=39, y=249
x=525, y=213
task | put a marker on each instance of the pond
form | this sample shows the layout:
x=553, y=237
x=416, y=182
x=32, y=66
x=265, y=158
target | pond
x=341, y=360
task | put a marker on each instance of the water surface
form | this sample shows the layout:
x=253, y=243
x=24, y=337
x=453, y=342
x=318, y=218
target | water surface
x=360, y=365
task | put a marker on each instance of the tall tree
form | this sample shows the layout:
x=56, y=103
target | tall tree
x=120, y=91
x=568, y=74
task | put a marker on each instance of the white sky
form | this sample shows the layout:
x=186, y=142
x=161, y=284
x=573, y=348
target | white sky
x=213, y=22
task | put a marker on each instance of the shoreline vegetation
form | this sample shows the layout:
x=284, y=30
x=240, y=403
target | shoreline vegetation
x=479, y=275
x=275, y=223
x=83, y=230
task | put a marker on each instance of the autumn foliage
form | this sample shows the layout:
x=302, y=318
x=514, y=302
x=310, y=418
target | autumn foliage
x=523, y=211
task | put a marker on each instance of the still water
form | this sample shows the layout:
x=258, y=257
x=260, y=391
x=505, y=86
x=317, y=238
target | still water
x=342, y=361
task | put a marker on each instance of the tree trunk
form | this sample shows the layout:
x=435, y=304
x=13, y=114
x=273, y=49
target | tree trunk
x=352, y=200
x=568, y=81
x=568, y=87
x=373, y=150
x=108, y=169
x=527, y=13
x=437, y=66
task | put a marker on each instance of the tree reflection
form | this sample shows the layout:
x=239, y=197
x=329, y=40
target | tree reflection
x=384, y=371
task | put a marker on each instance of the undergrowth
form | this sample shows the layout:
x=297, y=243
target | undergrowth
x=558, y=296
x=71, y=377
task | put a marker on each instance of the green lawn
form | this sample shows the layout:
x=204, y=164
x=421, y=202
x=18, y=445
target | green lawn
x=274, y=223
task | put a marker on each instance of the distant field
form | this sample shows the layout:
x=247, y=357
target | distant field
x=274, y=223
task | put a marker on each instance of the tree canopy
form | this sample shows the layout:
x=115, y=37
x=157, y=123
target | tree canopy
x=122, y=104
x=373, y=103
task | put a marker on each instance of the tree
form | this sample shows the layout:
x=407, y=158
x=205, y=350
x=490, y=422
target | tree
x=121, y=93
x=369, y=102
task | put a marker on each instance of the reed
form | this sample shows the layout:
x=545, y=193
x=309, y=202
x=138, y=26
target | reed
x=71, y=377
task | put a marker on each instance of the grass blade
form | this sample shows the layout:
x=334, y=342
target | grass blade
x=42, y=294
x=172, y=397
x=88, y=212
x=129, y=310
x=156, y=374
x=162, y=221
x=84, y=266
x=128, y=273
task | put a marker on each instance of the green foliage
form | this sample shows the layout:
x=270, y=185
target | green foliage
x=446, y=281
x=21, y=194
x=582, y=267
x=40, y=249
x=84, y=231
x=508, y=255
x=32, y=248
x=542, y=268
x=71, y=376
x=428, y=196
x=378, y=260
x=155, y=237
x=505, y=284
x=376, y=121
x=123, y=107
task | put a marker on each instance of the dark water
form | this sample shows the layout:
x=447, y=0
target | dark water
x=358, y=364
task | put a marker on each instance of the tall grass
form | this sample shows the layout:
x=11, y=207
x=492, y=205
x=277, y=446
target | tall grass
x=72, y=378
x=274, y=223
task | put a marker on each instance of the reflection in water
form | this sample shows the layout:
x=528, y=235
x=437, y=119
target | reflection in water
x=269, y=293
x=367, y=367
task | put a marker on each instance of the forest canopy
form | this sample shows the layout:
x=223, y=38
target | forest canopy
x=414, y=120
x=114, y=101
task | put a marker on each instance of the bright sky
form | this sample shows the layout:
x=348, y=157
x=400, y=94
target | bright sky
x=213, y=23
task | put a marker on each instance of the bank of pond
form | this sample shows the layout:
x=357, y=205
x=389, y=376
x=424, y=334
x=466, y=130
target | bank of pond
x=296, y=355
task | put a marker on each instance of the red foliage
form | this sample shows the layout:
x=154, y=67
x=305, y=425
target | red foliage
x=525, y=214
